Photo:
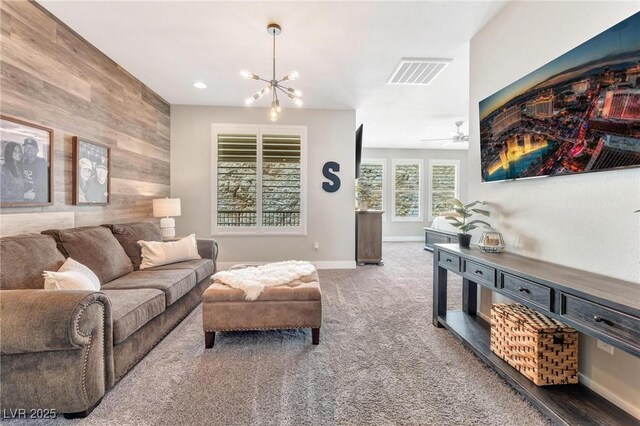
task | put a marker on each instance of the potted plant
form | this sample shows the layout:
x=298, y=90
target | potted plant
x=465, y=222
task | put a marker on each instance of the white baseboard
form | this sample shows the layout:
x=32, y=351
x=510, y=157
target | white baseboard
x=420, y=238
x=335, y=264
x=321, y=264
x=607, y=394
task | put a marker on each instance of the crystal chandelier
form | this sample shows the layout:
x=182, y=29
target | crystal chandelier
x=274, y=85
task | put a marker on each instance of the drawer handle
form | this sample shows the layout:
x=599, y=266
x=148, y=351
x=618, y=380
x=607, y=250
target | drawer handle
x=448, y=260
x=597, y=318
x=524, y=290
x=478, y=271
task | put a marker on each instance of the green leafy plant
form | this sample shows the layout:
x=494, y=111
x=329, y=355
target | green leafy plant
x=466, y=222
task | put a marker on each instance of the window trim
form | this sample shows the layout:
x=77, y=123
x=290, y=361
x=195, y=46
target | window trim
x=443, y=162
x=382, y=162
x=258, y=230
x=420, y=164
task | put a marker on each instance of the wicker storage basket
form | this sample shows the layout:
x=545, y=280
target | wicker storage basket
x=541, y=348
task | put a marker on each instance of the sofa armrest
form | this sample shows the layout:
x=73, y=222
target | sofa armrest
x=50, y=320
x=208, y=248
x=56, y=349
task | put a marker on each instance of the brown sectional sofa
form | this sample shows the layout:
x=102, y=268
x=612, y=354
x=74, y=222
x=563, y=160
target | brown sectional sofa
x=63, y=349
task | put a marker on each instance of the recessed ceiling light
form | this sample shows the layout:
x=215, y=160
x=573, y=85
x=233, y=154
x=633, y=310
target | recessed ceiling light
x=199, y=85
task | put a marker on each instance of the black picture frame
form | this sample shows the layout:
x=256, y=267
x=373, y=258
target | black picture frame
x=91, y=160
x=30, y=171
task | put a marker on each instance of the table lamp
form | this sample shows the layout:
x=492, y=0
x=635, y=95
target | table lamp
x=167, y=208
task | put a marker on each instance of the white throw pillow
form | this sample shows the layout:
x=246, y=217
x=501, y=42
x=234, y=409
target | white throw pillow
x=155, y=253
x=72, y=275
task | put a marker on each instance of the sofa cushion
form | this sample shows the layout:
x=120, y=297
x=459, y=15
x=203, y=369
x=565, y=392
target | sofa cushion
x=72, y=275
x=163, y=253
x=202, y=267
x=23, y=259
x=131, y=309
x=96, y=248
x=128, y=235
x=174, y=283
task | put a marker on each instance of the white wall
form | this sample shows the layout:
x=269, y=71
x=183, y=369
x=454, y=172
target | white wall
x=584, y=221
x=403, y=230
x=330, y=217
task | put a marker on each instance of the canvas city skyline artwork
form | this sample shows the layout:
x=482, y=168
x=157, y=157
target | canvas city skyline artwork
x=578, y=113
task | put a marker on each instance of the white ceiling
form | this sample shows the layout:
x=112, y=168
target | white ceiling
x=344, y=52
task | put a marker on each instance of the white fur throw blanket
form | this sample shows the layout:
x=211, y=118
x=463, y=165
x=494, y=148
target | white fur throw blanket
x=254, y=279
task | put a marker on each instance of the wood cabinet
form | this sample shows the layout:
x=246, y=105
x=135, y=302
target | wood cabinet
x=369, y=237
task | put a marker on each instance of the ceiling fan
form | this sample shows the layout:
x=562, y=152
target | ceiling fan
x=456, y=137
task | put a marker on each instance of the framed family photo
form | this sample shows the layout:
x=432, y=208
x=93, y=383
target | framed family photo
x=91, y=173
x=26, y=163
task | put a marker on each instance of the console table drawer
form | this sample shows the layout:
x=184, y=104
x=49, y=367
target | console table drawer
x=479, y=273
x=531, y=292
x=449, y=261
x=605, y=320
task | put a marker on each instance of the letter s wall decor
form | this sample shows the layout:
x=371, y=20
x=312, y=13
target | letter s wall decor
x=329, y=172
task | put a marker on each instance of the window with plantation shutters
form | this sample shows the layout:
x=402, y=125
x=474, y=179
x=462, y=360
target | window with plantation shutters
x=237, y=180
x=443, y=185
x=370, y=184
x=259, y=179
x=281, y=180
x=407, y=190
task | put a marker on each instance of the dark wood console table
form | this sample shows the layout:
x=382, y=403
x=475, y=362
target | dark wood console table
x=436, y=236
x=600, y=306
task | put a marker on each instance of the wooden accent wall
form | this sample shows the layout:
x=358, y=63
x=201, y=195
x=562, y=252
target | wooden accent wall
x=52, y=76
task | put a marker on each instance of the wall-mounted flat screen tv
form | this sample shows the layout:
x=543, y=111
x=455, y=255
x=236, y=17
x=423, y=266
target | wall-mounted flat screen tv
x=358, y=150
x=578, y=113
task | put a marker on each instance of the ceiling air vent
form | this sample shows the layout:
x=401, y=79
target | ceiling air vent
x=417, y=70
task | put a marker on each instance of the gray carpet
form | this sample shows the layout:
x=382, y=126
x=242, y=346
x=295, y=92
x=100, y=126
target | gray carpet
x=379, y=362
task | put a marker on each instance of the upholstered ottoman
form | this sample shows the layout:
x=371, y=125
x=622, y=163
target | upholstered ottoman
x=297, y=304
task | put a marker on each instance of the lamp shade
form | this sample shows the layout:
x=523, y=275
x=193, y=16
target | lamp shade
x=166, y=207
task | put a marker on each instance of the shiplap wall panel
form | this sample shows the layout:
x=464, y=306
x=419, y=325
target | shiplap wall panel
x=13, y=224
x=49, y=75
